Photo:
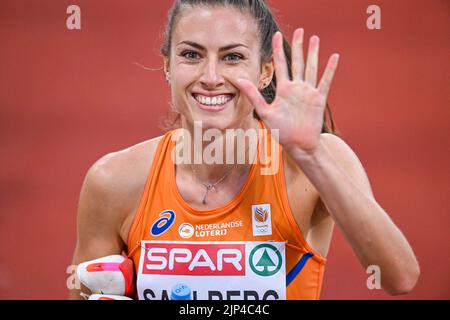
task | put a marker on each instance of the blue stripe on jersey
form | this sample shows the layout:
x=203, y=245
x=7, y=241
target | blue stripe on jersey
x=298, y=267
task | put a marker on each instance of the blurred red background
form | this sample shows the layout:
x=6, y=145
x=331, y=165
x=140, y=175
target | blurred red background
x=69, y=97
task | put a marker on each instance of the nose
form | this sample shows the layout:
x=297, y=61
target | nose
x=211, y=76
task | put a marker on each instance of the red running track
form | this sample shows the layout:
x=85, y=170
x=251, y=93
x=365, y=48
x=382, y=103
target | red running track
x=69, y=97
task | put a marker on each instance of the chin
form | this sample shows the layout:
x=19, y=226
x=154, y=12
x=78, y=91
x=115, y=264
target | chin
x=226, y=118
x=217, y=121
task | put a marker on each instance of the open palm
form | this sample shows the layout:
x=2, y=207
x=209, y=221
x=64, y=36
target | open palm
x=299, y=106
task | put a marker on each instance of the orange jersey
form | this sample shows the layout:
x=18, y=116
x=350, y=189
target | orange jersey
x=251, y=248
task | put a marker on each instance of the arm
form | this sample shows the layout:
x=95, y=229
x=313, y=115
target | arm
x=109, y=198
x=331, y=166
x=99, y=219
x=342, y=183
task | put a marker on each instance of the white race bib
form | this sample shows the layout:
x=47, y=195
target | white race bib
x=212, y=270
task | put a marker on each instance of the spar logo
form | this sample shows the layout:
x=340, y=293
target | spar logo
x=265, y=260
x=166, y=220
x=201, y=259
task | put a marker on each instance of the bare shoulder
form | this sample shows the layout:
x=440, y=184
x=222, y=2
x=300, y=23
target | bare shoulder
x=339, y=149
x=341, y=153
x=117, y=172
x=113, y=186
x=347, y=159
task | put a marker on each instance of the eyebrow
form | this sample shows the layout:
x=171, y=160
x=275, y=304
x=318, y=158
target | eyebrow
x=200, y=47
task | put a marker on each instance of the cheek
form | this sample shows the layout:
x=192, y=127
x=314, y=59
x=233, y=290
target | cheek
x=251, y=75
x=182, y=76
x=179, y=82
x=249, y=72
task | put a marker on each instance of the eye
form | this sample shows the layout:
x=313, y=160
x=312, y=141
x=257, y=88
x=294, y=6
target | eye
x=190, y=55
x=233, y=57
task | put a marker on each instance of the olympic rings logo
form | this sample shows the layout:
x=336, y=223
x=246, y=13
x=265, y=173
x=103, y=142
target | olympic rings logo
x=166, y=220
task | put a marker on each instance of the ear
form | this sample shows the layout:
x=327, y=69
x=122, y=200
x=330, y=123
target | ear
x=166, y=64
x=267, y=72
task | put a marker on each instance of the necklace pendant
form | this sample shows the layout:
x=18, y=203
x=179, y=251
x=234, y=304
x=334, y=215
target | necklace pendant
x=208, y=187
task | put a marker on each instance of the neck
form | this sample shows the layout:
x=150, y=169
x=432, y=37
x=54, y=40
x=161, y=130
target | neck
x=218, y=152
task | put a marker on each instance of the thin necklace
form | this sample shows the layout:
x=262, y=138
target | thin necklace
x=210, y=186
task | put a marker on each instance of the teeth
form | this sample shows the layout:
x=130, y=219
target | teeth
x=218, y=100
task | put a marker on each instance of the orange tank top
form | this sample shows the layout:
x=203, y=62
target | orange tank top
x=251, y=248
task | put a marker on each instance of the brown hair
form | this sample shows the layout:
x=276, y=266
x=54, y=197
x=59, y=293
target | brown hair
x=267, y=26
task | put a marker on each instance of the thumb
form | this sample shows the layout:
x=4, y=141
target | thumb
x=253, y=95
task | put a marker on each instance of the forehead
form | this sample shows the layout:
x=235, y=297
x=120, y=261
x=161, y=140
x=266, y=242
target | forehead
x=215, y=26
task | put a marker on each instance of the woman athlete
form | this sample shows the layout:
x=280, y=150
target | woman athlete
x=224, y=229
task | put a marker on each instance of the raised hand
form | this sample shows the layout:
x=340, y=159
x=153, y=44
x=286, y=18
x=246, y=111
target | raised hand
x=300, y=103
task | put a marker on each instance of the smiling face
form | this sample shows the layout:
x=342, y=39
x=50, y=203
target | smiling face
x=213, y=47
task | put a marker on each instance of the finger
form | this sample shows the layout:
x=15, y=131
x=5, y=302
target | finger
x=281, y=70
x=252, y=93
x=327, y=78
x=313, y=61
x=298, y=61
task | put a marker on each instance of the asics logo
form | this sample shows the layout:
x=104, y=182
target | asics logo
x=166, y=220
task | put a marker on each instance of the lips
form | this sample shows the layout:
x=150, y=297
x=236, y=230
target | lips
x=213, y=102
